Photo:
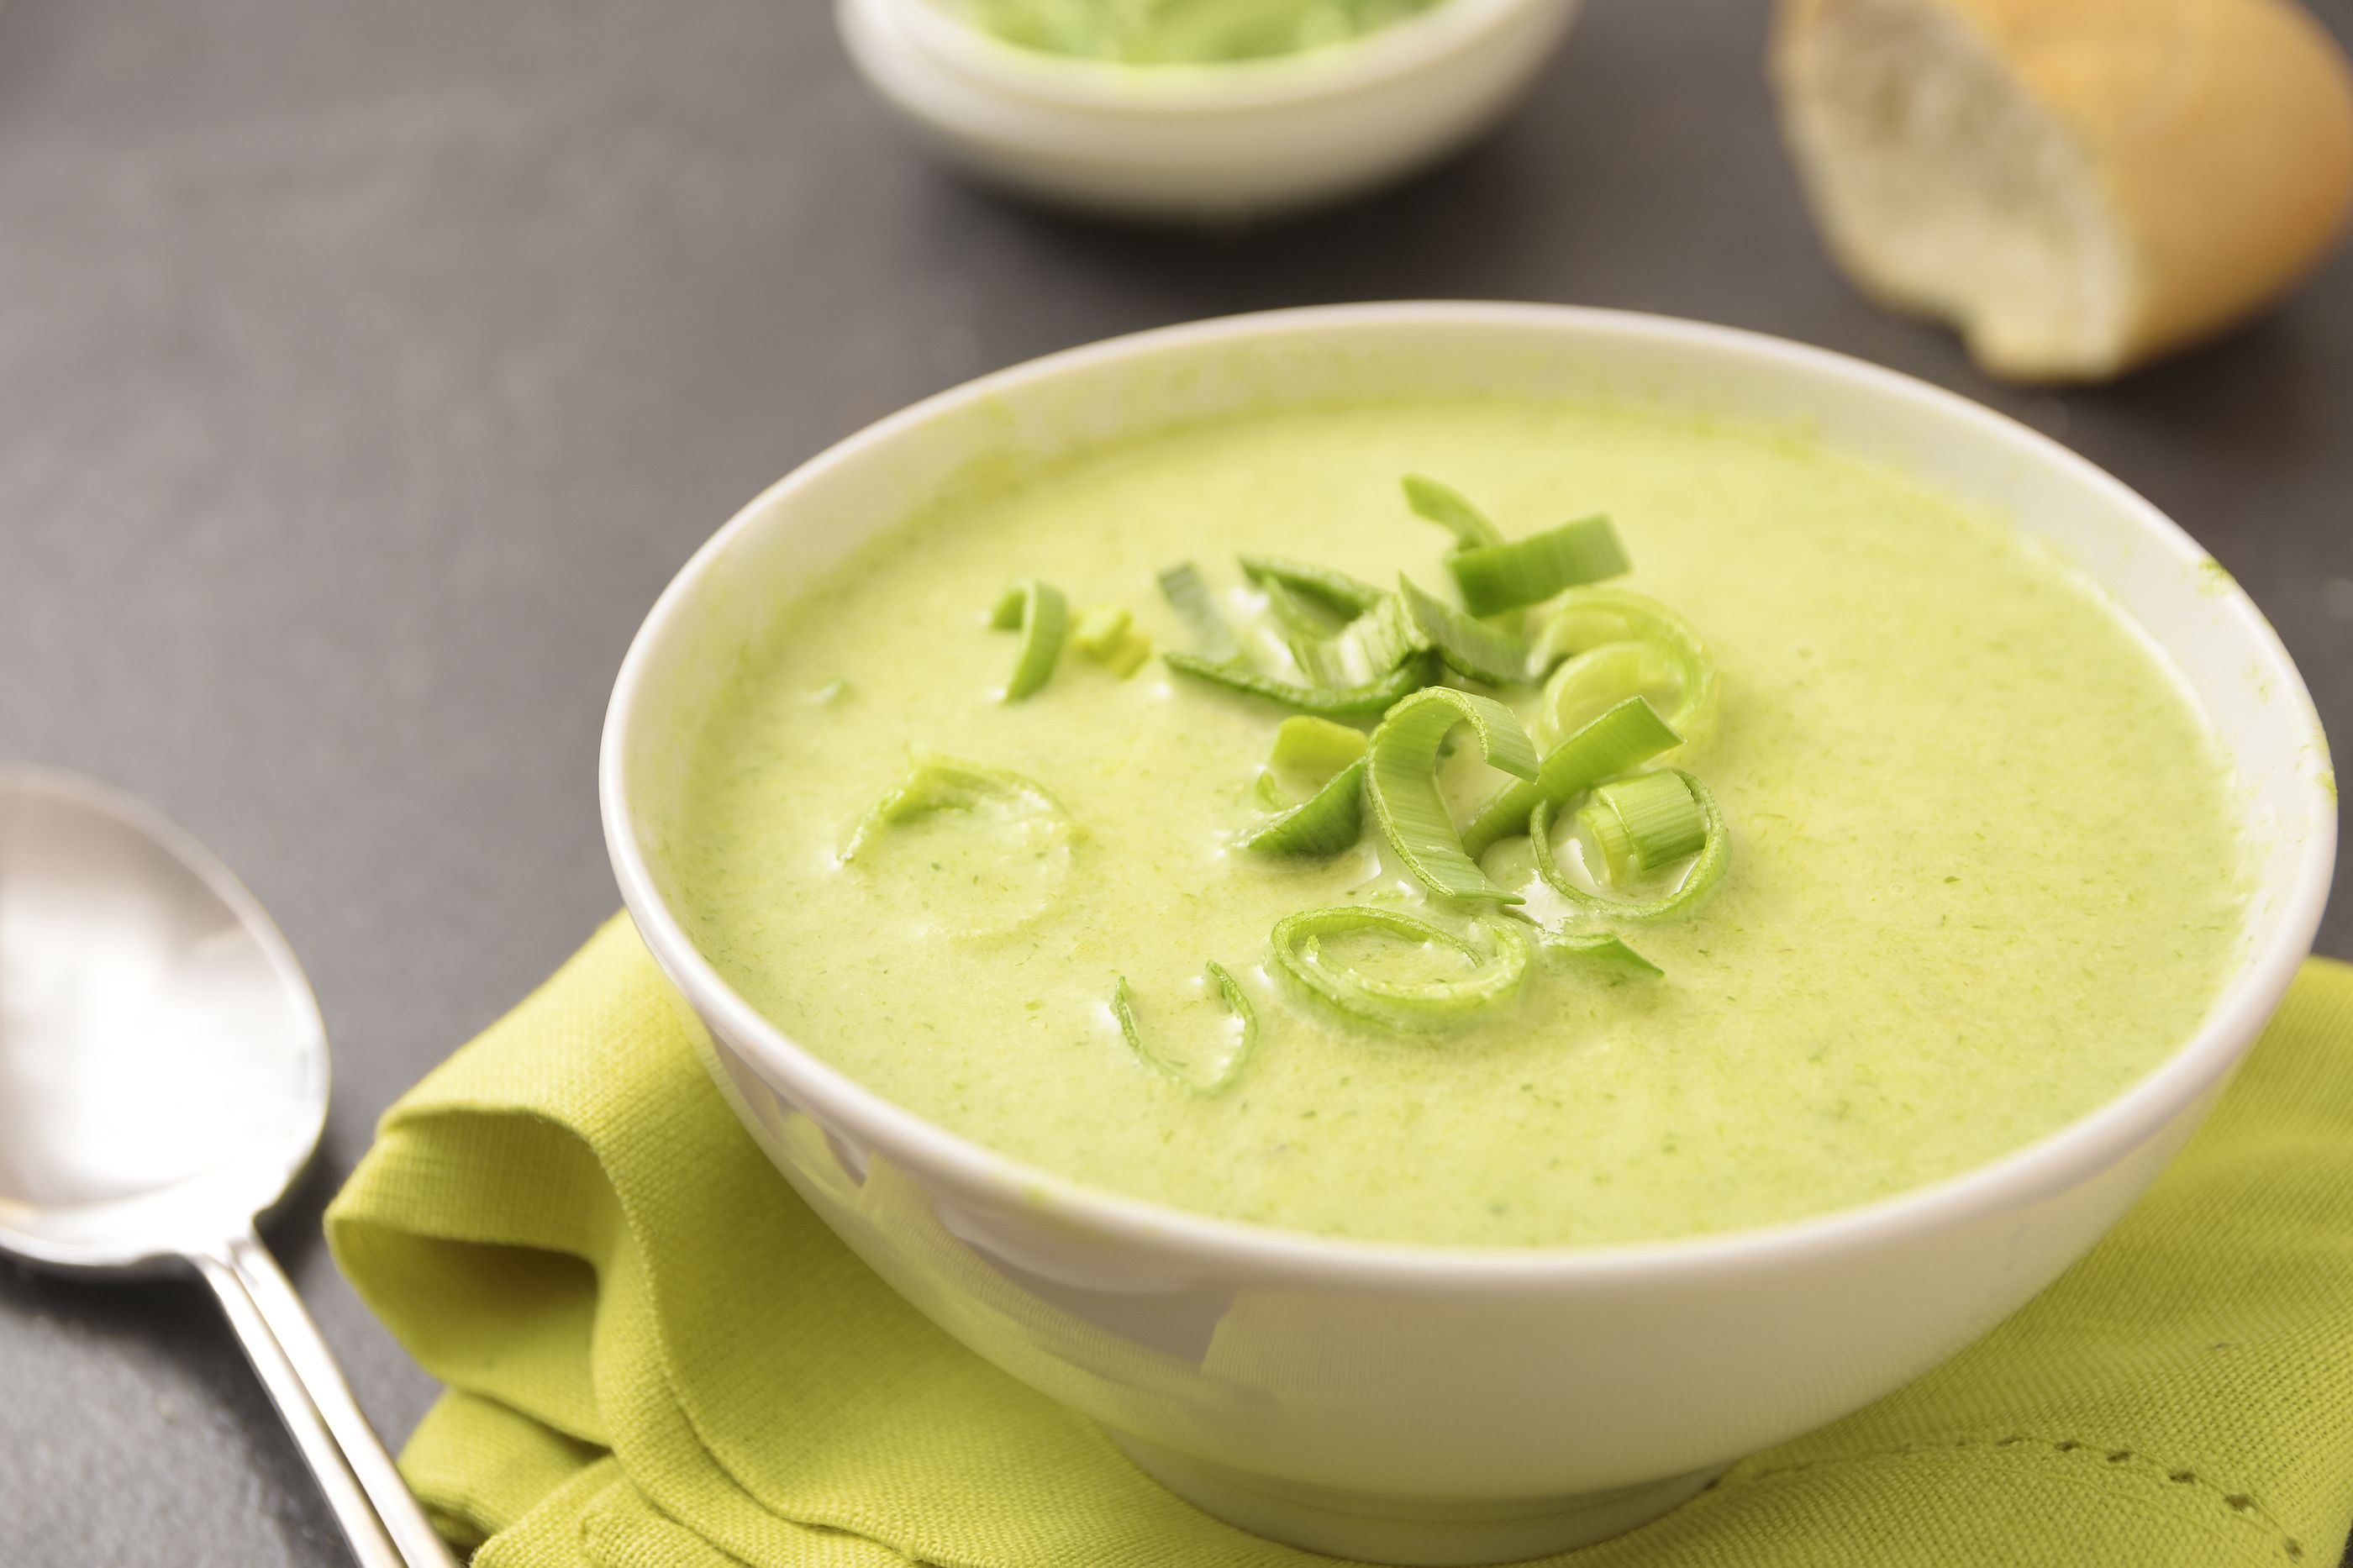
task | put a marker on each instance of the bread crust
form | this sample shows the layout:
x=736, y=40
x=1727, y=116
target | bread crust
x=2220, y=131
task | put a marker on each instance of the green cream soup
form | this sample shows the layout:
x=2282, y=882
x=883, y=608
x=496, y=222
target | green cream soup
x=1184, y=32
x=1984, y=858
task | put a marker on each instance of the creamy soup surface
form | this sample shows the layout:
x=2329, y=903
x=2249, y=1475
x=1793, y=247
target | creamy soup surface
x=1986, y=861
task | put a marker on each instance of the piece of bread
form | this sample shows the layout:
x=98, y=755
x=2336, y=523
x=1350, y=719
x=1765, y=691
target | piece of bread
x=2078, y=186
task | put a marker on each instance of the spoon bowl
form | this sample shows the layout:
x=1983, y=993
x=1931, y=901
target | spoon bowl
x=162, y=1065
x=162, y=1082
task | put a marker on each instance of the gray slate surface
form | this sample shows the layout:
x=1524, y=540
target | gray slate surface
x=365, y=369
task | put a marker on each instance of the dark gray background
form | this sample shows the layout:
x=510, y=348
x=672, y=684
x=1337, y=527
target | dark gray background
x=366, y=368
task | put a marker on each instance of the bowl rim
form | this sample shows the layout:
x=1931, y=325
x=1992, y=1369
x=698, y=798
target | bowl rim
x=1370, y=60
x=2061, y=1158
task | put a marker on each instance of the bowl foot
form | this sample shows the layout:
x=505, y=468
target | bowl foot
x=1422, y=1533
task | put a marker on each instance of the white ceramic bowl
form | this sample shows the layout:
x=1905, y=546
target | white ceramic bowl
x=1424, y=1404
x=1203, y=142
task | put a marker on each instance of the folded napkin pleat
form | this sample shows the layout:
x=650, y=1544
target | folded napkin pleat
x=658, y=1357
x=481, y=1466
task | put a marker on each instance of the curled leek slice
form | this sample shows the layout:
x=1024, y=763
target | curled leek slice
x=1194, y=604
x=1041, y=612
x=1375, y=643
x=1620, y=740
x=1384, y=638
x=1310, y=751
x=1209, y=1076
x=1469, y=648
x=1356, y=672
x=1713, y=852
x=1343, y=595
x=1603, y=948
x=1619, y=645
x=1498, y=577
x=1658, y=816
x=1298, y=617
x=1607, y=832
x=1498, y=952
x=1306, y=745
x=1403, y=626
x=1322, y=661
x=1402, y=784
x=1314, y=607
x=1322, y=824
x=937, y=782
x=1451, y=510
x=1361, y=700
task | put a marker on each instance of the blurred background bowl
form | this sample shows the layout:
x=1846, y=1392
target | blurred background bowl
x=1203, y=143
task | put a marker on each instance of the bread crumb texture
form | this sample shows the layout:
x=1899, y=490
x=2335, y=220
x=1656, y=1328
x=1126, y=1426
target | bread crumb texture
x=2079, y=186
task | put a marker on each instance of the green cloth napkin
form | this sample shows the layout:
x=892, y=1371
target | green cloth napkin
x=658, y=1357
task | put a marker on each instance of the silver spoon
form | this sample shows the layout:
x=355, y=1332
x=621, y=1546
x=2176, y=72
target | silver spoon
x=163, y=1081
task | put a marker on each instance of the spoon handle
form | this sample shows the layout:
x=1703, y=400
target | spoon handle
x=378, y=1514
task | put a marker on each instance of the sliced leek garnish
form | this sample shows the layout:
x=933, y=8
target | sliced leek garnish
x=1467, y=648
x=1108, y=634
x=1210, y=1079
x=1402, y=784
x=1375, y=659
x=1197, y=607
x=1498, y=577
x=1619, y=645
x=1100, y=628
x=1343, y=595
x=1130, y=655
x=1618, y=741
x=1401, y=626
x=1356, y=701
x=1038, y=610
x=1451, y=510
x=1600, y=948
x=1706, y=871
x=1322, y=824
x=937, y=782
x=1384, y=636
x=1606, y=831
x=1659, y=817
x=1499, y=956
x=1307, y=744
x=1299, y=618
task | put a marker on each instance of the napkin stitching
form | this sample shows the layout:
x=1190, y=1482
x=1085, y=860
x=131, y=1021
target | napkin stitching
x=2240, y=1504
